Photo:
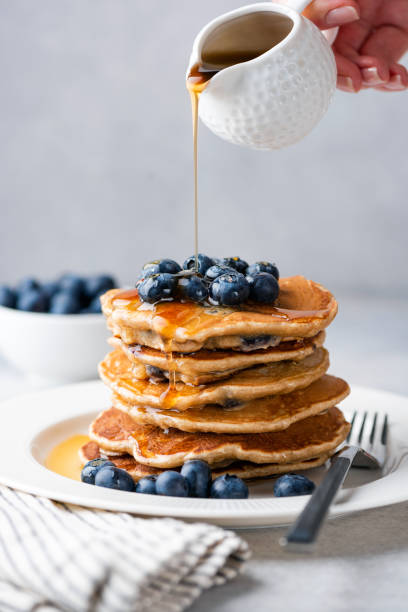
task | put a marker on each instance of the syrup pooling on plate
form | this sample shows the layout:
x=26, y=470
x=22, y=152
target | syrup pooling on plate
x=63, y=458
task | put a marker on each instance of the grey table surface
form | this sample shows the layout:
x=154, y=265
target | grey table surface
x=361, y=561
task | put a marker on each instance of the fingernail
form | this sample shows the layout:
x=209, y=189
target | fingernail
x=339, y=16
x=371, y=76
x=395, y=83
x=345, y=84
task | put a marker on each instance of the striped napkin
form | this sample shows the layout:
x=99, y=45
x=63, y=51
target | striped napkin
x=58, y=557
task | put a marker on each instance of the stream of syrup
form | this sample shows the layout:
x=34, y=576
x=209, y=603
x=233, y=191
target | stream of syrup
x=233, y=42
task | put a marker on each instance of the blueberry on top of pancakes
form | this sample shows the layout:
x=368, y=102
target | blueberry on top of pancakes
x=236, y=263
x=204, y=262
x=263, y=266
x=157, y=287
x=230, y=289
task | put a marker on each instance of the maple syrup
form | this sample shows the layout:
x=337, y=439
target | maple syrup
x=239, y=40
x=64, y=459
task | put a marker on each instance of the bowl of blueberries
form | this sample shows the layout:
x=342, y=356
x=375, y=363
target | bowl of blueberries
x=54, y=331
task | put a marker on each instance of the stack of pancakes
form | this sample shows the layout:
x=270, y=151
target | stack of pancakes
x=243, y=388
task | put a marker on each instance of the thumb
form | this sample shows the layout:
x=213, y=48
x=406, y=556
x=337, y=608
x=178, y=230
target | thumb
x=332, y=13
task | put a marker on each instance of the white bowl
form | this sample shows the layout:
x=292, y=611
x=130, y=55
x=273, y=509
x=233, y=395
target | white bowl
x=53, y=348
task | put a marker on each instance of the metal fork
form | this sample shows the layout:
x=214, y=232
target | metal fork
x=366, y=447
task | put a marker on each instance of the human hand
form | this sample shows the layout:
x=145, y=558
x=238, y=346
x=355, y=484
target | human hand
x=372, y=38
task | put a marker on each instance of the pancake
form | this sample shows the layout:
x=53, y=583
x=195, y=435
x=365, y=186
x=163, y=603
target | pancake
x=303, y=309
x=208, y=366
x=243, y=469
x=260, y=381
x=257, y=416
x=312, y=437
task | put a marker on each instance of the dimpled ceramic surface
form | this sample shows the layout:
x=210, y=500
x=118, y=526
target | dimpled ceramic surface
x=276, y=99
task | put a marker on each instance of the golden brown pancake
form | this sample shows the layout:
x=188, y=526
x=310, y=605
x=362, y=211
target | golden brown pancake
x=243, y=469
x=312, y=437
x=303, y=309
x=257, y=416
x=208, y=366
x=259, y=381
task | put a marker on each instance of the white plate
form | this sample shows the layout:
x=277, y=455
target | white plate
x=33, y=424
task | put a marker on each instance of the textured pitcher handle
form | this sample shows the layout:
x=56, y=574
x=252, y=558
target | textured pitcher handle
x=299, y=6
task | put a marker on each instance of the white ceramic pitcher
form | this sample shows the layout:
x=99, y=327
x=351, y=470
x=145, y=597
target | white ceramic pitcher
x=277, y=98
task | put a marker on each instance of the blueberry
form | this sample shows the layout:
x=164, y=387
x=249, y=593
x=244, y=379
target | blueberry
x=94, y=307
x=157, y=287
x=263, y=266
x=112, y=477
x=173, y=484
x=289, y=485
x=160, y=266
x=65, y=302
x=50, y=288
x=27, y=284
x=156, y=374
x=72, y=283
x=96, y=285
x=198, y=474
x=229, y=487
x=195, y=289
x=217, y=270
x=263, y=288
x=91, y=468
x=230, y=289
x=204, y=262
x=147, y=485
x=256, y=342
x=237, y=263
x=32, y=300
x=7, y=297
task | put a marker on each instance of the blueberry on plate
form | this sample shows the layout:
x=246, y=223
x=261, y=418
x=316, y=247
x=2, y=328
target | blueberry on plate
x=147, y=485
x=204, y=262
x=50, y=288
x=157, y=287
x=112, y=477
x=65, y=302
x=263, y=288
x=230, y=289
x=91, y=468
x=217, y=270
x=229, y=487
x=159, y=266
x=290, y=485
x=7, y=297
x=237, y=263
x=173, y=484
x=94, y=307
x=27, y=284
x=72, y=283
x=32, y=300
x=198, y=474
x=263, y=266
x=195, y=289
x=96, y=285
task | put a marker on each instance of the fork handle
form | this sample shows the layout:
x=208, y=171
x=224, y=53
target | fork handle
x=305, y=530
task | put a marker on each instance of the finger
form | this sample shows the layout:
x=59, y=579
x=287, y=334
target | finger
x=348, y=74
x=387, y=42
x=374, y=70
x=398, y=79
x=332, y=13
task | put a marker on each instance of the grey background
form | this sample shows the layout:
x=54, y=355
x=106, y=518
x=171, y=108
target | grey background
x=96, y=162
